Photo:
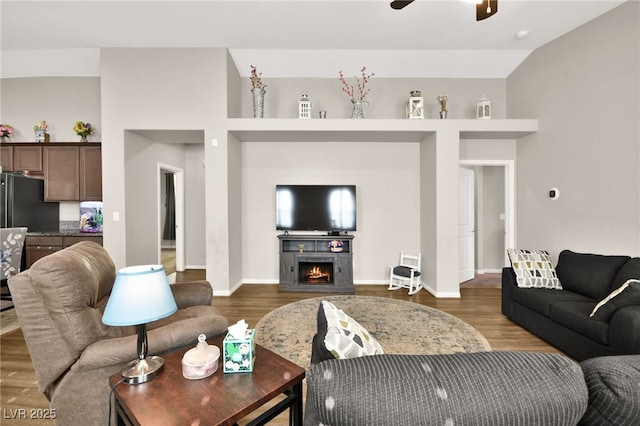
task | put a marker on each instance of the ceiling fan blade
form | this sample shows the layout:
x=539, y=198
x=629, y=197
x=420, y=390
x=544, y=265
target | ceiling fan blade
x=486, y=9
x=398, y=4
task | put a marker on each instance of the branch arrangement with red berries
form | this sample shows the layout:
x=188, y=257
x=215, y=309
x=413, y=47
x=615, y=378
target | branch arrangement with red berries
x=361, y=83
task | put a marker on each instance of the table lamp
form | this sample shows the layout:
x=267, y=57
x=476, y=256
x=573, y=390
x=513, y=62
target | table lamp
x=140, y=294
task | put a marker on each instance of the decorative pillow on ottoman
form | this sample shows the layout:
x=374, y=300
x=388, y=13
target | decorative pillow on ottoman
x=533, y=269
x=342, y=336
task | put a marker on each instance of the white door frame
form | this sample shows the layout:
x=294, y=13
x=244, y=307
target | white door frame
x=178, y=185
x=509, y=198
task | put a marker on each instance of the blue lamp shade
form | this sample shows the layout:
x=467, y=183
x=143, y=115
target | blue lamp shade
x=140, y=294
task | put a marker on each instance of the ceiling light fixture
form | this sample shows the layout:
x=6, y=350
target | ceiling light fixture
x=484, y=8
x=522, y=34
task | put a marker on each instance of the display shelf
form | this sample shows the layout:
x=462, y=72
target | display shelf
x=374, y=130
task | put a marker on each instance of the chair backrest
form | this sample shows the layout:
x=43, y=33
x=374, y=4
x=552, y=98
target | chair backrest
x=59, y=302
x=11, y=246
x=411, y=260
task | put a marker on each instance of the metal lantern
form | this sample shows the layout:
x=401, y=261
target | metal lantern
x=415, y=106
x=304, y=107
x=483, y=108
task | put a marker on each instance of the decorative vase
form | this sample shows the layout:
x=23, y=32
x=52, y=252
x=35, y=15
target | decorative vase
x=258, y=102
x=83, y=138
x=443, y=114
x=358, y=109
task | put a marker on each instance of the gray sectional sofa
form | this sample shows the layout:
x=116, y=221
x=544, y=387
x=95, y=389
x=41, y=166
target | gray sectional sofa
x=481, y=388
x=352, y=388
x=562, y=317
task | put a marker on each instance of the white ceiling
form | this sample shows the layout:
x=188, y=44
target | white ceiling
x=301, y=38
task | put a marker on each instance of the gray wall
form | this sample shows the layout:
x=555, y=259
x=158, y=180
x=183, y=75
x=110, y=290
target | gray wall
x=585, y=90
x=61, y=101
x=388, y=199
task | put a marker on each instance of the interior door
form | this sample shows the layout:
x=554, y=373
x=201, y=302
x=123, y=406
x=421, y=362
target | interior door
x=466, y=225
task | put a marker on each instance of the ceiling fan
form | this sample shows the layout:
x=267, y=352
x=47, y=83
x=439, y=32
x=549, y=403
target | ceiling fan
x=484, y=10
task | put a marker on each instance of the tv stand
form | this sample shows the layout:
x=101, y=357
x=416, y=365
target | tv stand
x=312, y=263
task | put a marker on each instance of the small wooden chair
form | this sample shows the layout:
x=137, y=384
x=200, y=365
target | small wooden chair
x=406, y=274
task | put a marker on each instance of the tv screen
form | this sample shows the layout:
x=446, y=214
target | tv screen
x=316, y=207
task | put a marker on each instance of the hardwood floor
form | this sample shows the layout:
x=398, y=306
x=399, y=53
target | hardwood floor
x=479, y=306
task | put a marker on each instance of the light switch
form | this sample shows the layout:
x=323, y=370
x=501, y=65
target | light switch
x=116, y=216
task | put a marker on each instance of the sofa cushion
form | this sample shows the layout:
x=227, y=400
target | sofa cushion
x=575, y=315
x=630, y=269
x=540, y=300
x=614, y=394
x=627, y=294
x=533, y=268
x=405, y=271
x=343, y=336
x=588, y=274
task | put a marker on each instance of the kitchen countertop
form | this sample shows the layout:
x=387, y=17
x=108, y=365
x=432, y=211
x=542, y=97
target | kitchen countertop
x=64, y=233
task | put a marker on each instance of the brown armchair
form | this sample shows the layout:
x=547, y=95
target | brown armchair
x=59, y=302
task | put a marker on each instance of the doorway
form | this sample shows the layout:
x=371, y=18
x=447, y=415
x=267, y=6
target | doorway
x=171, y=218
x=495, y=212
x=466, y=225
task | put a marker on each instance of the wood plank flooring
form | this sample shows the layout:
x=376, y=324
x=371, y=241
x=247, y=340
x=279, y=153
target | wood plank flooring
x=479, y=306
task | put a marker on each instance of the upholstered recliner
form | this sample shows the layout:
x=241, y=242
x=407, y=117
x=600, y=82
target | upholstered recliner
x=60, y=301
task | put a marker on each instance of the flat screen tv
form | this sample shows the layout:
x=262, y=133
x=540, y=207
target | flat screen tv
x=330, y=208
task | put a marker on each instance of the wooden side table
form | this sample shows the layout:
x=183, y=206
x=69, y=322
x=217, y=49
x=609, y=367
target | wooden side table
x=220, y=399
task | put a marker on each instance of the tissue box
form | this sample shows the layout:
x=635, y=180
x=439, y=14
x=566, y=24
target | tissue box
x=239, y=354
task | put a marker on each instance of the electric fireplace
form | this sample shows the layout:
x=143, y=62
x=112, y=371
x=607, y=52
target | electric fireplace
x=315, y=272
x=316, y=263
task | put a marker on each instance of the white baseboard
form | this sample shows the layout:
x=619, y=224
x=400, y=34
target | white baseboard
x=488, y=271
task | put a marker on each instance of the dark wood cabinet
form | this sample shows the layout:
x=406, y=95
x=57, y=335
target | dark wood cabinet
x=71, y=171
x=61, y=173
x=37, y=246
x=21, y=157
x=6, y=158
x=27, y=158
x=90, y=173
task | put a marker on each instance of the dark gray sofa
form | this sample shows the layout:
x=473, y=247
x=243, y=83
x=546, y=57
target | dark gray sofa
x=482, y=388
x=561, y=317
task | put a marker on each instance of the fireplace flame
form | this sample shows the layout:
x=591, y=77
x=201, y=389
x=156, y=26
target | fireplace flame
x=316, y=274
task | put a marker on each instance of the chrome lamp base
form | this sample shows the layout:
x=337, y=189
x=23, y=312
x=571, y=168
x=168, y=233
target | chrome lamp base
x=142, y=370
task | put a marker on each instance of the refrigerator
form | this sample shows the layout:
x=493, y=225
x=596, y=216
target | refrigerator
x=22, y=204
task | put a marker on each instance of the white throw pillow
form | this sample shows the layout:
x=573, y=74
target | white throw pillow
x=345, y=338
x=533, y=269
x=627, y=294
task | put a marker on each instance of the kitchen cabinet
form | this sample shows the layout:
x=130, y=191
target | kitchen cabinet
x=90, y=173
x=6, y=158
x=72, y=172
x=61, y=173
x=27, y=158
x=39, y=246
x=21, y=157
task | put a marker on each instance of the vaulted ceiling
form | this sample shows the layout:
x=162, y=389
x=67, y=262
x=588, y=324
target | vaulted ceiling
x=293, y=38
